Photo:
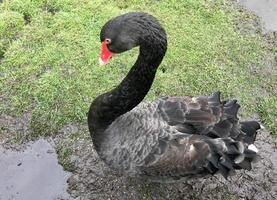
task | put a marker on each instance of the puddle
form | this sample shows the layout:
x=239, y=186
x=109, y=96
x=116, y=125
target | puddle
x=266, y=9
x=32, y=174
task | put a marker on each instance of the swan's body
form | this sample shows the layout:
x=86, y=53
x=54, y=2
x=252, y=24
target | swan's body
x=173, y=137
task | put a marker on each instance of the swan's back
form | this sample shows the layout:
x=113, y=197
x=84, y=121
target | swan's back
x=176, y=137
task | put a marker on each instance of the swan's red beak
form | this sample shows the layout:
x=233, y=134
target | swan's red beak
x=105, y=54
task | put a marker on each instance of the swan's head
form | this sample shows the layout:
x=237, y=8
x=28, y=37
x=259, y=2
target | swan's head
x=125, y=32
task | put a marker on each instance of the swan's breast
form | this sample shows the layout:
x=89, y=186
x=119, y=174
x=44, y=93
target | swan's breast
x=132, y=137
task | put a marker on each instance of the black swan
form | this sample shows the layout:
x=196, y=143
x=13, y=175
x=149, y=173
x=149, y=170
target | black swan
x=173, y=137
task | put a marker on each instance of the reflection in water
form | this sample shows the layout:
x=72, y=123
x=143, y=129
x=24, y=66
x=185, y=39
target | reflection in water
x=266, y=9
x=32, y=174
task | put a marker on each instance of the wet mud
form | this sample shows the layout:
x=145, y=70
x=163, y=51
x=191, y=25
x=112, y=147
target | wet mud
x=92, y=179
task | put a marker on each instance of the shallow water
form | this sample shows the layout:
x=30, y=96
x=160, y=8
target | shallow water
x=32, y=174
x=266, y=9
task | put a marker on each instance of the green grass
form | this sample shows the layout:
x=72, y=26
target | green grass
x=64, y=158
x=49, y=57
x=267, y=108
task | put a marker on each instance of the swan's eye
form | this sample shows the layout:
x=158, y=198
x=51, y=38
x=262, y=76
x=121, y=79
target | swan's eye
x=108, y=41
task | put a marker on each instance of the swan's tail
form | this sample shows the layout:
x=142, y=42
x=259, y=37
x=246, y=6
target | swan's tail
x=250, y=129
x=229, y=155
x=229, y=124
x=232, y=147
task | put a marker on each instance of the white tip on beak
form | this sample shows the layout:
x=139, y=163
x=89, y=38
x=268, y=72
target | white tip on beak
x=101, y=62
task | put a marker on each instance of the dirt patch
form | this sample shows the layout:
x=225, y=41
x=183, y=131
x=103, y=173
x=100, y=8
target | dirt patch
x=27, y=18
x=92, y=179
x=14, y=130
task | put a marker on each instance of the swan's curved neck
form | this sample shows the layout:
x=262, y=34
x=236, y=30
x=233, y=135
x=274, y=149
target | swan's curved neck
x=131, y=91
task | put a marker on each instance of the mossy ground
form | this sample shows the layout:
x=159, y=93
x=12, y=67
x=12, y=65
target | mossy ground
x=49, y=58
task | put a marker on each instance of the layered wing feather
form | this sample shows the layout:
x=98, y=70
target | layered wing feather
x=201, y=115
x=178, y=137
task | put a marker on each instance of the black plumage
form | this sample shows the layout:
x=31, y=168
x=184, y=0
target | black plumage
x=173, y=137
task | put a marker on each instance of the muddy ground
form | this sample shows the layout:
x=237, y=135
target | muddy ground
x=92, y=179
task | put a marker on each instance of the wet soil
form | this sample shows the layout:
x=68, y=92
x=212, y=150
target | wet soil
x=33, y=173
x=92, y=179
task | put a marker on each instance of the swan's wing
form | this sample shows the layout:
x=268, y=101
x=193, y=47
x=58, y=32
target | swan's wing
x=201, y=115
x=213, y=140
x=176, y=137
x=197, y=155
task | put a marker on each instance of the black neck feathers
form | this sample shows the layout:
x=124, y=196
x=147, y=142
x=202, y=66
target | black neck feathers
x=134, y=87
